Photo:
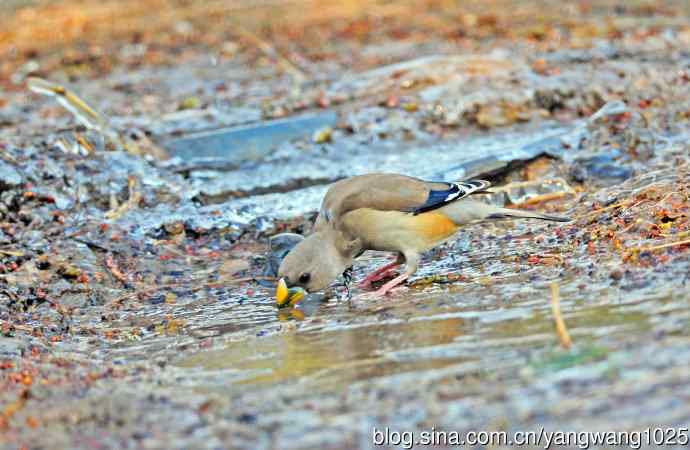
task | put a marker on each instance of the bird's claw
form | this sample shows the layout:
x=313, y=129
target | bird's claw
x=395, y=282
x=364, y=284
x=347, y=280
x=378, y=274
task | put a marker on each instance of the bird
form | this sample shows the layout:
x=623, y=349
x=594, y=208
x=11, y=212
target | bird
x=384, y=212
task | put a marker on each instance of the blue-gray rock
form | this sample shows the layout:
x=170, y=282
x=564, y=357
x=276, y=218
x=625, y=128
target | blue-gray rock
x=279, y=246
x=248, y=142
x=9, y=176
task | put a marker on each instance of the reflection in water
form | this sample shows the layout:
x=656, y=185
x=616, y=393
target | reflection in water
x=337, y=356
x=407, y=338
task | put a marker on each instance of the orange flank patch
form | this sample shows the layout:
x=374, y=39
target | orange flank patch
x=435, y=226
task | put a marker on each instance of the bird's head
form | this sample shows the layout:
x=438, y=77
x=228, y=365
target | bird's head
x=312, y=265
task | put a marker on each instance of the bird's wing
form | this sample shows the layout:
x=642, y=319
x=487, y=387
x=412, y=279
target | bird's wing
x=456, y=191
x=391, y=192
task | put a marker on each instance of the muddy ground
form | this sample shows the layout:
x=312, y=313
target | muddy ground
x=136, y=305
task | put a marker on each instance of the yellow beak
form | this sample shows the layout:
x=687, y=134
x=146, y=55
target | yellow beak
x=288, y=297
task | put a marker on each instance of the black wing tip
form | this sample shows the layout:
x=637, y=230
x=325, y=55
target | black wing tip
x=527, y=215
x=553, y=218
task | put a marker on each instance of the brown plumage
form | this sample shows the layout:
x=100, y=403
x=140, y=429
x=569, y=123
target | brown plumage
x=386, y=212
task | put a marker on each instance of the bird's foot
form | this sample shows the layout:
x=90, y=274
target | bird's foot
x=377, y=274
x=347, y=281
x=367, y=282
x=383, y=290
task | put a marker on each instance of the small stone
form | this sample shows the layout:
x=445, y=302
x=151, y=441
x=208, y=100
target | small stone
x=9, y=176
x=190, y=103
x=279, y=246
x=69, y=271
x=11, y=347
x=323, y=135
x=230, y=267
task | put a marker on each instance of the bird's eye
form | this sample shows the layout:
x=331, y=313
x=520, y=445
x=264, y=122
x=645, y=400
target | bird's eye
x=304, y=278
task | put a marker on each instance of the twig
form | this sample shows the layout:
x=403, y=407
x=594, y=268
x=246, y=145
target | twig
x=670, y=244
x=16, y=326
x=9, y=410
x=628, y=202
x=131, y=203
x=81, y=110
x=597, y=211
x=550, y=255
x=626, y=229
x=85, y=144
x=670, y=194
x=438, y=279
x=542, y=199
x=112, y=266
x=678, y=235
x=561, y=330
x=641, y=202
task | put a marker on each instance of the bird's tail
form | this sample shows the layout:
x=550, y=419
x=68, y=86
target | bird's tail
x=466, y=211
x=505, y=213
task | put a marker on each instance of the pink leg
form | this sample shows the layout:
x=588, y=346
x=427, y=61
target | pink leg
x=378, y=273
x=383, y=290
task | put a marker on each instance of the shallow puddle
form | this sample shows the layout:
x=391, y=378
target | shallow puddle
x=419, y=330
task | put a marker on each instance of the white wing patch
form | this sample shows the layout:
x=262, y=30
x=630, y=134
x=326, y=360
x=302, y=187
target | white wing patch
x=453, y=195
